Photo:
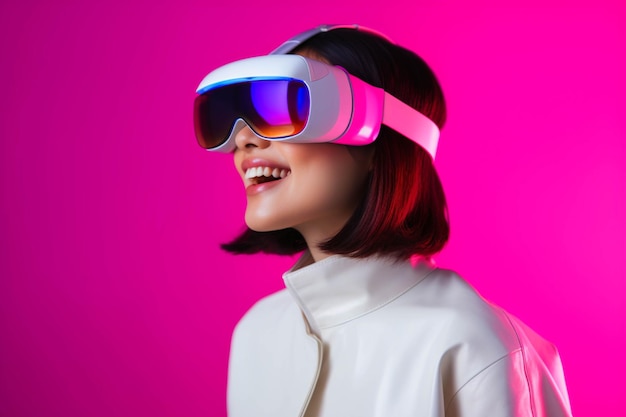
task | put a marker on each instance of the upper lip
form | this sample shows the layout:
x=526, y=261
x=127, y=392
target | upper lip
x=256, y=162
x=260, y=162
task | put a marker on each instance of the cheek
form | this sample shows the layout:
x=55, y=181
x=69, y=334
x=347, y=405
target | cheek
x=325, y=186
x=330, y=185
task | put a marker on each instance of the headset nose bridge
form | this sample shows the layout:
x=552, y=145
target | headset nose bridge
x=245, y=137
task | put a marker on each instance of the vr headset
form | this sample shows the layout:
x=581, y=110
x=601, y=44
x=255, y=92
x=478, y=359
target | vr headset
x=295, y=99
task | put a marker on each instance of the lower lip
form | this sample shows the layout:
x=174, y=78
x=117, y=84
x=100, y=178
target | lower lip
x=259, y=188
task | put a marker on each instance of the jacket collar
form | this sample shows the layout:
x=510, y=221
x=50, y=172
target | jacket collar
x=339, y=289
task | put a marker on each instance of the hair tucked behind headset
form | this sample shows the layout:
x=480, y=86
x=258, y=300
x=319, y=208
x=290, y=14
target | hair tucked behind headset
x=403, y=210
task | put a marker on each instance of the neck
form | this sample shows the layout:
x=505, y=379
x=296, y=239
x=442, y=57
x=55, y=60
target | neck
x=317, y=233
x=317, y=254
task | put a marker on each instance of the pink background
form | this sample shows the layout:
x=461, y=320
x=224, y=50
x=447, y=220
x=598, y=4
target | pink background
x=114, y=297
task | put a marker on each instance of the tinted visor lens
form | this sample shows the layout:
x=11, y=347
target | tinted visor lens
x=273, y=108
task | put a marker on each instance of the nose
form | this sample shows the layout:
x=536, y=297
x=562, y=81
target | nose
x=247, y=139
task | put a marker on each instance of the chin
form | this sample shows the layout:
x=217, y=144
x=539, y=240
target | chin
x=263, y=226
x=260, y=229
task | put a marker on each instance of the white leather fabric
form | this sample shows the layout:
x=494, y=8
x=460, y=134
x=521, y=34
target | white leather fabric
x=378, y=338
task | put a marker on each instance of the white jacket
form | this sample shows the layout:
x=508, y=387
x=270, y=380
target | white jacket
x=382, y=338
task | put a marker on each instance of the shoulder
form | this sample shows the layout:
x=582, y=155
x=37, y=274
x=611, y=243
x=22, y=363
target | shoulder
x=269, y=305
x=468, y=332
x=494, y=357
x=274, y=317
x=267, y=310
x=450, y=303
x=474, y=315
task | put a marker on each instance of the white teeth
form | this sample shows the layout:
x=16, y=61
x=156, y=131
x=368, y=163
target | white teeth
x=256, y=172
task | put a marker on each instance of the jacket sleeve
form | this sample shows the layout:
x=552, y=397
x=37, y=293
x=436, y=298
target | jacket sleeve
x=520, y=384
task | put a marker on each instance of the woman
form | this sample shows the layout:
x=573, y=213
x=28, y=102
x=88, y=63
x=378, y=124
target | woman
x=367, y=325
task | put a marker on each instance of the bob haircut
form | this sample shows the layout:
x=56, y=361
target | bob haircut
x=403, y=209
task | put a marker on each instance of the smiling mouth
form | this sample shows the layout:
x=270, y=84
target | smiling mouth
x=260, y=175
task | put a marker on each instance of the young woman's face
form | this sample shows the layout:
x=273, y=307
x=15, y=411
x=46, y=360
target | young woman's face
x=313, y=188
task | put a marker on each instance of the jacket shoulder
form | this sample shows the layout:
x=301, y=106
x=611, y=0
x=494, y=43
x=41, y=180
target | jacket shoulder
x=473, y=318
x=266, y=313
x=488, y=346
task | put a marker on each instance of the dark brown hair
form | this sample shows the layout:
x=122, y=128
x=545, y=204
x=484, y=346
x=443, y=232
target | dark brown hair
x=403, y=210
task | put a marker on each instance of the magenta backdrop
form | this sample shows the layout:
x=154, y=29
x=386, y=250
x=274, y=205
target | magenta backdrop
x=114, y=297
